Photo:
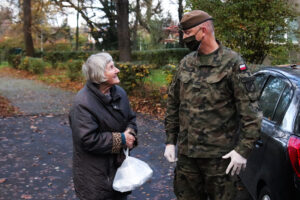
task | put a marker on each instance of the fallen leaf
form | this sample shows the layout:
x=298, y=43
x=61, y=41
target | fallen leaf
x=2, y=180
x=33, y=127
x=26, y=196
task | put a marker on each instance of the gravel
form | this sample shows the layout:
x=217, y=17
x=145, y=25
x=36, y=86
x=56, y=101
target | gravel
x=32, y=97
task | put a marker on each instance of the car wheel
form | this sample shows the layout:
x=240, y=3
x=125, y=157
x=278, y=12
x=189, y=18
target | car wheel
x=265, y=194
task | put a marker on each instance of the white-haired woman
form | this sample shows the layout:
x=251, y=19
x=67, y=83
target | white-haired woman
x=102, y=123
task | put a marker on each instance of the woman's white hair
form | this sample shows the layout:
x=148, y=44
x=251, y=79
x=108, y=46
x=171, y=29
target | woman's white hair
x=94, y=67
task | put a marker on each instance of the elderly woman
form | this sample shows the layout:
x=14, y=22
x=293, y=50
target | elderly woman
x=102, y=124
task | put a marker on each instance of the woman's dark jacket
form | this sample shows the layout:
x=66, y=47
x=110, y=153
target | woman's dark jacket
x=97, y=122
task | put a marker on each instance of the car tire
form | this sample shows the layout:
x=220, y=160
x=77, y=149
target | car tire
x=265, y=194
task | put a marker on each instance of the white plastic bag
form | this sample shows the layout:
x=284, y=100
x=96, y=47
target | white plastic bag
x=131, y=174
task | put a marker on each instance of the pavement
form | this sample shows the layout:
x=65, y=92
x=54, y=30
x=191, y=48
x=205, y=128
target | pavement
x=36, y=146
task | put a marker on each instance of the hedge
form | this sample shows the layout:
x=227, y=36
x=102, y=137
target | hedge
x=54, y=57
x=158, y=57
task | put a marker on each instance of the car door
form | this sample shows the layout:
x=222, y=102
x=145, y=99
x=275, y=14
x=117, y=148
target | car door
x=254, y=161
x=274, y=171
x=293, y=151
x=275, y=95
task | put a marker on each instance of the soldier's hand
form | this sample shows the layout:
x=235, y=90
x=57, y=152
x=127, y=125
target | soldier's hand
x=170, y=153
x=236, y=164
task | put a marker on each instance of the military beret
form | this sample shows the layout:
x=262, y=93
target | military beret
x=194, y=18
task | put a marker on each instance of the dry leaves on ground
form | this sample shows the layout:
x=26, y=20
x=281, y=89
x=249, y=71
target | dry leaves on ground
x=6, y=109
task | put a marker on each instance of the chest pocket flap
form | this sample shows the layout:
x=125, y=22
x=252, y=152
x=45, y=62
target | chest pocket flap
x=215, y=78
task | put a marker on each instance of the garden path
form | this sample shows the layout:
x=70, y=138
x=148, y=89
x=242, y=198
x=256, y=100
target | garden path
x=36, y=146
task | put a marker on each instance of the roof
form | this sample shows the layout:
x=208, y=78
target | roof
x=292, y=73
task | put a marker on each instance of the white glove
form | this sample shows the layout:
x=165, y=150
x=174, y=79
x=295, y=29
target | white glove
x=170, y=153
x=237, y=162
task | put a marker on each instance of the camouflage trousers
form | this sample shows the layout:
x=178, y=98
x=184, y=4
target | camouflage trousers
x=205, y=178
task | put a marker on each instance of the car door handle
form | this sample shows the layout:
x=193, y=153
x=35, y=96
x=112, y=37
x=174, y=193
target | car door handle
x=258, y=143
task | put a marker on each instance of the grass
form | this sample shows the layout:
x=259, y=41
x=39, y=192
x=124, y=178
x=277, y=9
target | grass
x=157, y=77
x=3, y=64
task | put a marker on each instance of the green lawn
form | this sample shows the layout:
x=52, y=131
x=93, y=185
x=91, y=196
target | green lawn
x=3, y=64
x=157, y=77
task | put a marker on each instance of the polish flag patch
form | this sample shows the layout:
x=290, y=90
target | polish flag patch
x=243, y=67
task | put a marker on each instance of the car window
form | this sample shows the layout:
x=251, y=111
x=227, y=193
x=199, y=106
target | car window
x=283, y=104
x=270, y=96
x=259, y=81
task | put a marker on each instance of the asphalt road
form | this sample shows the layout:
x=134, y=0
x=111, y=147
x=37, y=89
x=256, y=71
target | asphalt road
x=36, y=147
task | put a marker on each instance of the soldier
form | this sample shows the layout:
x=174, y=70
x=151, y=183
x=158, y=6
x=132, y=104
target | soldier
x=212, y=113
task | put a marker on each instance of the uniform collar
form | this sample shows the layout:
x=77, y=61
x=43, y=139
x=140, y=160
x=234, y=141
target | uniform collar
x=213, y=59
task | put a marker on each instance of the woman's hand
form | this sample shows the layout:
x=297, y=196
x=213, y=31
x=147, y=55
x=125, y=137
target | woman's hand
x=129, y=139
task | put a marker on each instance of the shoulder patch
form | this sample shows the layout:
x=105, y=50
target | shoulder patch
x=243, y=67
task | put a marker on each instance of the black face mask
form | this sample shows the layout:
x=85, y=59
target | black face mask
x=192, y=43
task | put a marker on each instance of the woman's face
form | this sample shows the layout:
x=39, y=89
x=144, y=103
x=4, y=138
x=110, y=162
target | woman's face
x=111, y=73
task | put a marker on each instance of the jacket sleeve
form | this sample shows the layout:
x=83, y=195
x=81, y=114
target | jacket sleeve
x=85, y=130
x=132, y=121
x=132, y=126
x=172, y=112
x=246, y=101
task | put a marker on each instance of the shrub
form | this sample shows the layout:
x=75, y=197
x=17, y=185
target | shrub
x=132, y=75
x=60, y=45
x=53, y=57
x=62, y=65
x=74, y=69
x=38, y=53
x=14, y=60
x=36, y=66
x=24, y=65
x=169, y=70
x=33, y=65
x=157, y=58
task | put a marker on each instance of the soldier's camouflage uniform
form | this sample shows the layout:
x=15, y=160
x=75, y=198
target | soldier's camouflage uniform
x=212, y=109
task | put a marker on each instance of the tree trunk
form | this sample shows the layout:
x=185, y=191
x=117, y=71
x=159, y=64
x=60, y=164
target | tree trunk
x=180, y=13
x=77, y=27
x=123, y=30
x=27, y=28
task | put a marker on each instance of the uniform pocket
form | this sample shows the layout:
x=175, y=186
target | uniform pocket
x=215, y=78
x=185, y=85
x=215, y=88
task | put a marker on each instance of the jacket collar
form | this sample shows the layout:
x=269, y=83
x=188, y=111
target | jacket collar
x=94, y=88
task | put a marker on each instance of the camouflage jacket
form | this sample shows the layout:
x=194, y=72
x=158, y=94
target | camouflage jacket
x=212, y=106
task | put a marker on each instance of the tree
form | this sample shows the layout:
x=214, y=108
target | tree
x=27, y=28
x=123, y=30
x=180, y=14
x=104, y=28
x=255, y=28
x=5, y=20
x=43, y=16
x=152, y=20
